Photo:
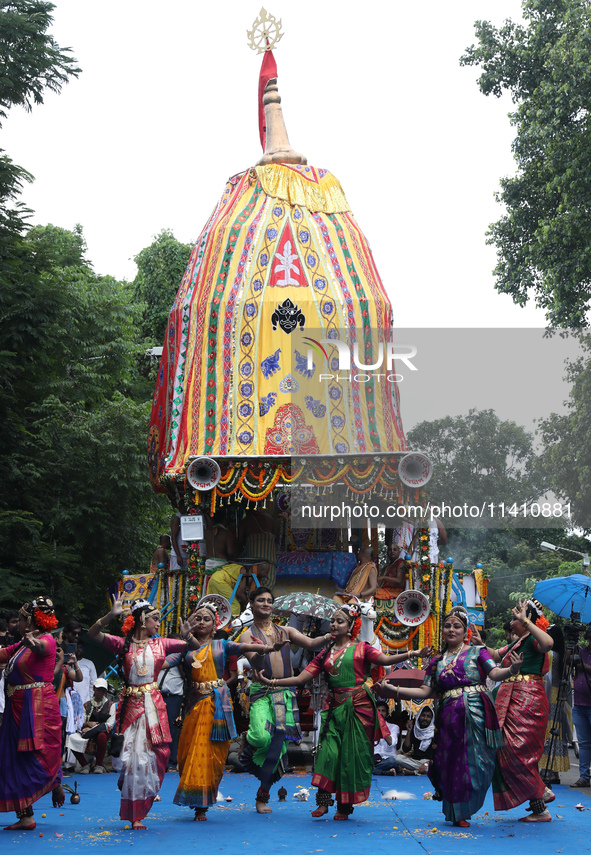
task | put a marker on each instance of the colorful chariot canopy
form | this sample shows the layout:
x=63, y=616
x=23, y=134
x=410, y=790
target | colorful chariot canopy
x=280, y=286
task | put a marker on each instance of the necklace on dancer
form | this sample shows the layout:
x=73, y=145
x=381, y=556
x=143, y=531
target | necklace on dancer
x=450, y=661
x=269, y=630
x=335, y=661
x=142, y=669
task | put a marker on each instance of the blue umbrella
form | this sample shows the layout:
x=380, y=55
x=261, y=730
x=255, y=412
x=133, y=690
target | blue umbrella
x=566, y=594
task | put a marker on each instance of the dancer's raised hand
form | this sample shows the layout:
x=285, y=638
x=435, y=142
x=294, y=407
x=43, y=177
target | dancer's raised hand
x=475, y=638
x=117, y=607
x=520, y=612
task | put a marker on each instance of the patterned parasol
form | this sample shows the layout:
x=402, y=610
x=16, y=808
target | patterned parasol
x=304, y=603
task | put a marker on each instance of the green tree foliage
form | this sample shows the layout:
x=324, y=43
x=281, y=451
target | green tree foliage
x=30, y=63
x=566, y=459
x=160, y=269
x=77, y=507
x=30, y=59
x=543, y=240
x=478, y=459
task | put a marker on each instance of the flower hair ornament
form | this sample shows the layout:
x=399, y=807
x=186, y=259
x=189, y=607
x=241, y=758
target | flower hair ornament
x=41, y=612
x=459, y=612
x=128, y=625
x=211, y=607
x=541, y=621
x=145, y=610
x=353, y=615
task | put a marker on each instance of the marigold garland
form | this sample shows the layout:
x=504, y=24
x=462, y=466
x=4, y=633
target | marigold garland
x=395, y=645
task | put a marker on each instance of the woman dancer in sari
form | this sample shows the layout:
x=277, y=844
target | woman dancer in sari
x=209, y=724
x=31, y=732
x=468, y=738
x=350, y=721
x=141, y=713
x=522, y=708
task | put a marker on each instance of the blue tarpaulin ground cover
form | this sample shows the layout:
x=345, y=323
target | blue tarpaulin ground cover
x=412, y=826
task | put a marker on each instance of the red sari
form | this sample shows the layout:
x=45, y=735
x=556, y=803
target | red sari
x=146, y=749
x=522, y=710
x=31, y=732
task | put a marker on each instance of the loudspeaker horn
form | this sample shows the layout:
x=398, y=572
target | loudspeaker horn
x=415, y=469
x=412, y=608
x=204, y=473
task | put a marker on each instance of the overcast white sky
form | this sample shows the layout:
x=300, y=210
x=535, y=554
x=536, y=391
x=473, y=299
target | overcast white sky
x=166, y=109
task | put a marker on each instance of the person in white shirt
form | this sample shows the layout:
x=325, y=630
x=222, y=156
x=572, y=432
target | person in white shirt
x=89, y=675
x=385, y=749
x=99, y=720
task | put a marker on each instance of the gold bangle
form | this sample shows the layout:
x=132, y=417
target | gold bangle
x=526, y=621
x=397, y=692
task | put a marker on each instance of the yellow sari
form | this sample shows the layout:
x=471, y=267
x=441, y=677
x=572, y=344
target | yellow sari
x=202, y=749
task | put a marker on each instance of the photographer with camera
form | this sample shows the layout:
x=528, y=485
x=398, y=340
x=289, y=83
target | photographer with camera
x=582, y=707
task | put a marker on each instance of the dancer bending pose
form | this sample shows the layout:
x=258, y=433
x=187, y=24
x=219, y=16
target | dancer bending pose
x=463, y=764
x=350, y=721
x=31, y=732
x=141, y=713
x=274, y=716
x=209, y=724
x=522, y=708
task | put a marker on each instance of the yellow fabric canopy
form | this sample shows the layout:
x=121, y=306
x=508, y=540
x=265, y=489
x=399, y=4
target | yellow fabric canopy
x=280, y=272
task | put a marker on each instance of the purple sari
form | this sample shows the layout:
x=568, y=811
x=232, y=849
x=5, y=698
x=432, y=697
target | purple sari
x=468, y=733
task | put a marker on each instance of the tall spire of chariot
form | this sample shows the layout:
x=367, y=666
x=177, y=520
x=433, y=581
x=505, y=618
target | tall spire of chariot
x=265, y=33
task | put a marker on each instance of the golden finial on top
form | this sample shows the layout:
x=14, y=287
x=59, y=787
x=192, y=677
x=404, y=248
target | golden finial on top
x=265, y=33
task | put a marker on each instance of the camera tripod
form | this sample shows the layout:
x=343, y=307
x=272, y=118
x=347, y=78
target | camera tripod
x=571, y=631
